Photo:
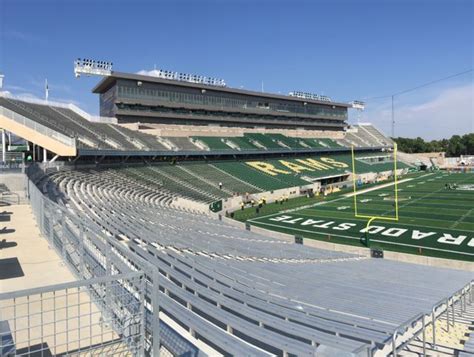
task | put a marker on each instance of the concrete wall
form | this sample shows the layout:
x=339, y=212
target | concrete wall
x=233, y=203
x=215, y=130
x=189, y=205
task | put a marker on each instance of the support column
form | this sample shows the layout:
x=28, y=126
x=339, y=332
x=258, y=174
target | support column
x=156, y=312
x=447, y=315
x=4, y=146
x=424, y=334
x=45, y=155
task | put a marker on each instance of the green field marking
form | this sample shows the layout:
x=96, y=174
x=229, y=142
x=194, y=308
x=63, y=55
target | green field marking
x=325, y=234
x=351, y=217
x=348, y=195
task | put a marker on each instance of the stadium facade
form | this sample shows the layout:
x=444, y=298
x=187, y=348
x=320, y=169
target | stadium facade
x=132, y=98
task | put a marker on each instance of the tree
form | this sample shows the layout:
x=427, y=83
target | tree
x=455, y=146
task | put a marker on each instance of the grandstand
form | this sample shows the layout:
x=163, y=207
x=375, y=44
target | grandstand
x=92, y=136
x=281, y=316
x=137, y=199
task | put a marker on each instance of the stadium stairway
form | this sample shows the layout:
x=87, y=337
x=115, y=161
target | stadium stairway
x=214, y=184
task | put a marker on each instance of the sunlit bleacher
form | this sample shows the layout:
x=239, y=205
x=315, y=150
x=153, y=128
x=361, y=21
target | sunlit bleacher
x=107, y=136
x=239, y=291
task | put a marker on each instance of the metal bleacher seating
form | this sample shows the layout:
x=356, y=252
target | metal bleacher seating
x=290, y=142
x=183, y=143
x=89, y=135
x=355, y=140
x=213, y=143
x=378, y=137
x=365, y=135
x=244, y=293
x=213, y=174
x=263, y=140
x=199, y=181
x=105, y=136
x=243, y=143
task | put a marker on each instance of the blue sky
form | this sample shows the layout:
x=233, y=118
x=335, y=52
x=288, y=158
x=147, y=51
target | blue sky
x=344, y=49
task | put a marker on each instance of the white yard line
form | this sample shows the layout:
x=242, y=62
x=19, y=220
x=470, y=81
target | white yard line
x=455, y=224
x=343, y=197
x=377, y=187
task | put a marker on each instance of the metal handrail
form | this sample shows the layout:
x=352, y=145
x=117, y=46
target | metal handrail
x=403, y=327
x=70, y=285
x=66, y=140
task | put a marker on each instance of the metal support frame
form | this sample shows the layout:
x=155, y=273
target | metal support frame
x=70, y=318
x=4, y=146
x=89, y=253
x=416, y=326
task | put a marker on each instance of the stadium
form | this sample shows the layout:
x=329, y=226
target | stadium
x=139, y=204
x=236, y=178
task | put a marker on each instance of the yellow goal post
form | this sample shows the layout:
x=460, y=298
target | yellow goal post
x=355, y=193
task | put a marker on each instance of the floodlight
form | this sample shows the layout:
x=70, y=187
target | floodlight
x=91, y=67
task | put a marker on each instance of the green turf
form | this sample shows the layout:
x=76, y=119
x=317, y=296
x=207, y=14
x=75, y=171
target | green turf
x=428, y=212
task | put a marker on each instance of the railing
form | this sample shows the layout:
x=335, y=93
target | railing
x=99, y=316
x=73, y=107
x=416, y=326
x=90, y=253
x=12, y=167
x=66, y=140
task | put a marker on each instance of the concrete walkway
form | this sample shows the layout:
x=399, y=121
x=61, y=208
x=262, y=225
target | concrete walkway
x=40, y=264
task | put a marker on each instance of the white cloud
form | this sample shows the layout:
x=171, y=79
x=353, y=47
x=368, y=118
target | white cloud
x=27, y=95
x=21, y=36
x=53, y=86
x=152, y=73
x=450, y=112
x=15, y=88
x=31, y=96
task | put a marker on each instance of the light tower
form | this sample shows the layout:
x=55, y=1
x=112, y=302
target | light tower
x=90, y=67
x=359, y=106
x=1, y=80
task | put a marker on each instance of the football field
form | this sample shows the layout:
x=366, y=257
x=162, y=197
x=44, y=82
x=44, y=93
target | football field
x=436, y=217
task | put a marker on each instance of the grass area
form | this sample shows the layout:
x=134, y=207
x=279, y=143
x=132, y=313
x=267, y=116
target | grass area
x=271, y=208
x=293, y=203
x=434, y=220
